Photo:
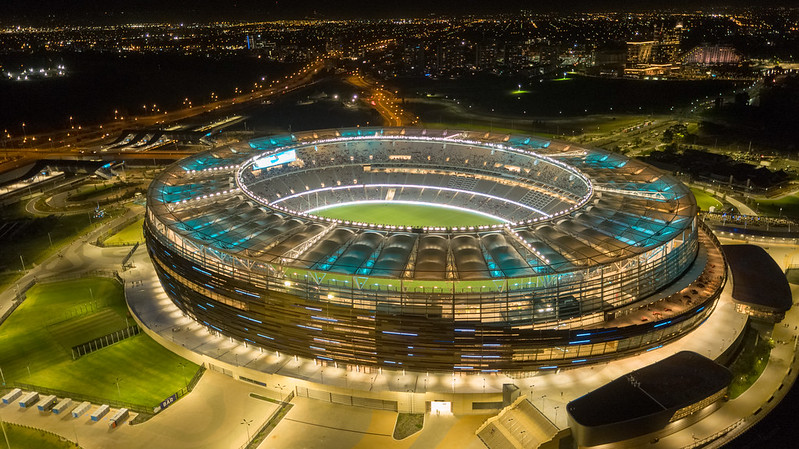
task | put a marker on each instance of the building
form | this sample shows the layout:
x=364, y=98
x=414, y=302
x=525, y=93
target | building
x=589, y=265
x=712, y=56
x=653, y=401
x=759, y=287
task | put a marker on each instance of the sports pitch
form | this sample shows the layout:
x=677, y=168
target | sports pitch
x=403, y=214
x=36, y=342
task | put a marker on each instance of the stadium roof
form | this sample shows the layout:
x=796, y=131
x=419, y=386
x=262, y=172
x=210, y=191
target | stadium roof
x=568, y=207
x=670, y=384
x=758, y=280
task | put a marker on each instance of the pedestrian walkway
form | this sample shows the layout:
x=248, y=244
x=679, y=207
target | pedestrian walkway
x=160, y=316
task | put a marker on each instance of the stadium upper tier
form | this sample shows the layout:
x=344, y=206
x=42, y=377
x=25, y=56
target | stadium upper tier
x=596, y=254
x=566, y=208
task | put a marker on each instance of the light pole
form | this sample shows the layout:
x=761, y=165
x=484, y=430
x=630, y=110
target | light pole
x=247, y=423
x=119, y=392
x=2, y=424
x=183, y=369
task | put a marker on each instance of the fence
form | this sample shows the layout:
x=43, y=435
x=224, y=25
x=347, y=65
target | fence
x=79, y=397
x=274, y=419
x=345, y=399
x=192, y=383
x=105, y=235
x=106, y=340
x=20, y=296
x=143, y=410
x=129, y=255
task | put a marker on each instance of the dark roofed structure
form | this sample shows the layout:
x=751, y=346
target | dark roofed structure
x=648, y=399
x=760, y=288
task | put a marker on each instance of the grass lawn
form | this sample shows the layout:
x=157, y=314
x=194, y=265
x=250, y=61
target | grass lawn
x=704, y=200
x=789, y=205
x=26, y=337
x=408, y=424
x=406, y=214
x=24, y=437
x=7, y=280
x=93, y=191
x=130, y=234
x=751, y=362
x=33, y=243
x=148, y=372
x=39, y=335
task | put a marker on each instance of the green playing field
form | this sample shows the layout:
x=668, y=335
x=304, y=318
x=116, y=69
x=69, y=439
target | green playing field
x=36, y=342
x=403, y=214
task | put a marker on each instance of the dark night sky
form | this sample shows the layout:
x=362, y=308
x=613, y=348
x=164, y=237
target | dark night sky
x=204, y=10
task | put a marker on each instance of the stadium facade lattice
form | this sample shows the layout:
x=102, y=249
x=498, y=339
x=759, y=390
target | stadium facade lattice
x=596, y=256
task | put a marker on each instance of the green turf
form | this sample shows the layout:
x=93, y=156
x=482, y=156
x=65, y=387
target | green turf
x=92, y=191
x=704, y=200
x=33, y=243
x=148, y=372
x=25, y=340
x=129, y=235
x=406, y=215
x=750, y=363
x=81, y=329
x=56, y=316
x=27, y=438
x=789, y=205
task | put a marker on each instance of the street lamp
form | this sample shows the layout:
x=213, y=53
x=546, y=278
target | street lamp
x=119, y=393
x=183, y=369
x=247, y=423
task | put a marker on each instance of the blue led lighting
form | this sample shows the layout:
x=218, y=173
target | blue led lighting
x=201, y=271
x=251, y=319
x=405, y=334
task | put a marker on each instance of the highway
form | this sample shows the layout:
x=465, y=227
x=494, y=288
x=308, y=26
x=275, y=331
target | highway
x=78, y=143
x=383, y=101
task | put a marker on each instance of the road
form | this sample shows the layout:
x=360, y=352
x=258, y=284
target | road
x=78, y=143
x=383, y=100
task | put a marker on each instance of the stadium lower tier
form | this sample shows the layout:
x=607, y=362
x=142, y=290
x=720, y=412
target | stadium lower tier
x=356, y=322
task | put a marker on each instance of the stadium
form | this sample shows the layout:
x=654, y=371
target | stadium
x=556, y=256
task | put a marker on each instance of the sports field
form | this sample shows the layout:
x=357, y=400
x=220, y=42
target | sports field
x=705, y=200
x=403, y=214
x=36, y=342
x=128, y=235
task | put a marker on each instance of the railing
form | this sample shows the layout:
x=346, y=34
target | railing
x=106, y=340
x=274, y=419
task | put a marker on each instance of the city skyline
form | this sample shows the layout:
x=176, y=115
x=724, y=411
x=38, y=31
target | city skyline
x=118, y=11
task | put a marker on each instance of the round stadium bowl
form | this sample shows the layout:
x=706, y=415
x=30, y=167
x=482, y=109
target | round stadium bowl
x=590, y=256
